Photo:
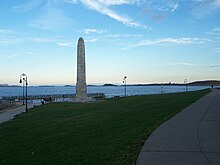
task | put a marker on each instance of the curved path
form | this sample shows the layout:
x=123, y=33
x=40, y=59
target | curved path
x=192, y=137
x=9, y=114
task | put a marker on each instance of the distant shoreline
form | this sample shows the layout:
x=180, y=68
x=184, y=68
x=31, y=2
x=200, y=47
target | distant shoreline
x=195, y=83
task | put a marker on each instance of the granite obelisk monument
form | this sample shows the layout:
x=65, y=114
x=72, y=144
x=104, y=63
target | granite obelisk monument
x=81, y=88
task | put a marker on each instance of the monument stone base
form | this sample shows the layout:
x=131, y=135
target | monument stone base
x=84, y=99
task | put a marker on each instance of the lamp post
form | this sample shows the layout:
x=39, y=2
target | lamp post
x=22, y=90
x=124, y=81
x=185, y=82
x=23, y=78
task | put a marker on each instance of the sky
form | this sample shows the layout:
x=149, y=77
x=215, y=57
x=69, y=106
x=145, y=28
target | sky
x=149, y=41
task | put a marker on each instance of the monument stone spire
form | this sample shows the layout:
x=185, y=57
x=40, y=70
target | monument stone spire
x=81, y=88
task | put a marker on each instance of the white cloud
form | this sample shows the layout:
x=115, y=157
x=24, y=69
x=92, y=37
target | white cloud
x=42, y=40
x=91, y=40
x=52, y=18
x=66, y=44
x=213, y=33
x=99, y=31
x=214, y=65
x=217, y=50
x=118, y=2
x=47, y=21
x=5, y=31
x=216, y=29
x=69, y=43
x=18, y=39
x=163, y=5
x=111, y=37
x=8, y=41
x=70, y=1
x=170, y=41
x=186, y=63
x=202, y=8
x=103, y=9
x=29, y=5
x=216, y=2
x=21, y=54
x=213, y=2
x=173, y=7
x=121, y=35
x=29, y=53
x=183, y=63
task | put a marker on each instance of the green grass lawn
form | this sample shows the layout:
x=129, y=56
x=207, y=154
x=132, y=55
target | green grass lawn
x=104, y=133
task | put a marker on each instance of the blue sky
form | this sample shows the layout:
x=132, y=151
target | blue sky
x=146, y=40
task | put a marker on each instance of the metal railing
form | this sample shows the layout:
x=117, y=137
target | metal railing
x=53, y=96
x=4, y=104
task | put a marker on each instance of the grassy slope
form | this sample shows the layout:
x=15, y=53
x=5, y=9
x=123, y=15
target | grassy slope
x=109, y=132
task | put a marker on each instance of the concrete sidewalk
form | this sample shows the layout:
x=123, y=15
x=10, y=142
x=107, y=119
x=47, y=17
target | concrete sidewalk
x=10, y=113
x=192, y=137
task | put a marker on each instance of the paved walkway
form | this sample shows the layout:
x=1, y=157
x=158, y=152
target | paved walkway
x=10, y=113
x=192, y=137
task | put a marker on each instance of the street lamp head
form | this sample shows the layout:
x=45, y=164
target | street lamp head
x=125, y=77
x=22, y=77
